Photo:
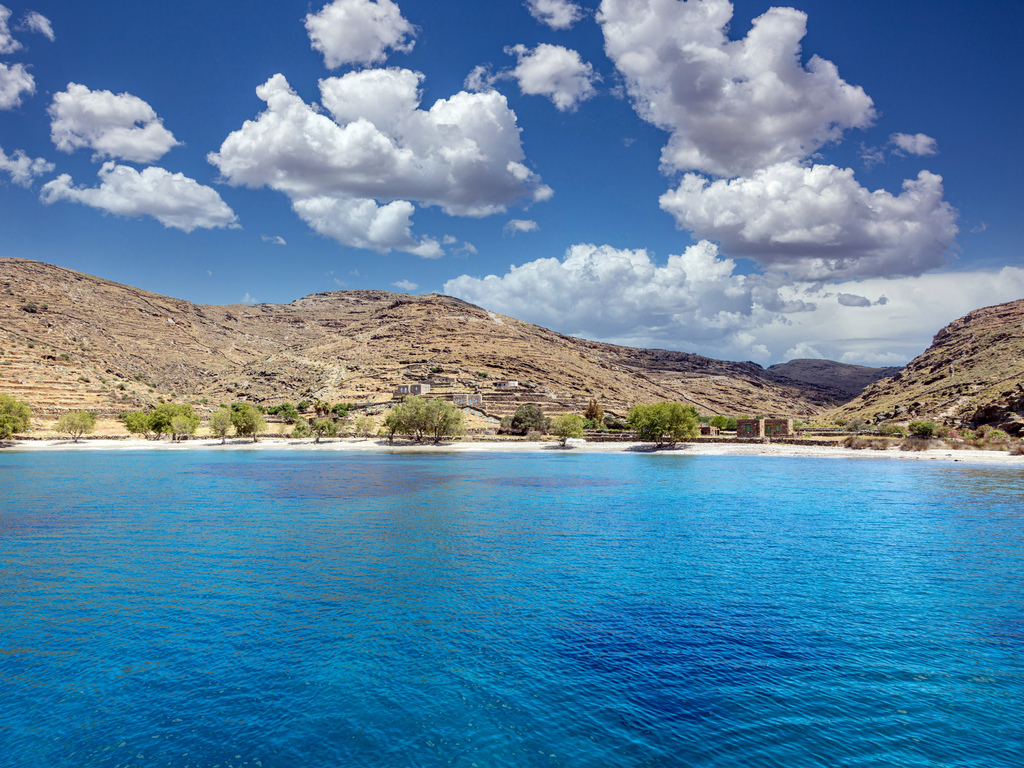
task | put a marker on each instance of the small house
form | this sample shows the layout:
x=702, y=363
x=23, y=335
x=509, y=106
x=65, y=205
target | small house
x=756, y=428
x=420, y=388
x=468, y=400
x=506, y=384
x=707, y=430
x=778, y=428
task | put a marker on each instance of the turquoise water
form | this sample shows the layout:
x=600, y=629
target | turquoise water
x=311, y=609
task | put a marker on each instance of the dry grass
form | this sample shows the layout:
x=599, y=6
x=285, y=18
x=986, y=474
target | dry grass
x=919, y=444
x=859, y=442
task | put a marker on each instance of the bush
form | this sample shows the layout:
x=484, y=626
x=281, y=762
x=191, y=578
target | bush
x=301, y=429
x=15, y=417
x=859, y=442
x=76, y=424
x=664, y=422
x=594, y=413
x=323, y=428
x=893, y=430
x=341, y=409
x=719, y=421
x=533, y=437
x=303, y=406
x=923, y=429
x=1017, y=449
x=365, y=426
x=916, y=444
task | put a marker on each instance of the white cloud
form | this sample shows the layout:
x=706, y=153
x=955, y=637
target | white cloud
x=7, y=43
x=406, y=285
x=731, y=107
x=467, y=248
x=463, y=154
x=170, y=198
x=556, y=72
x=14, y=81
x=481, y=79
x=449, y=240
x=361, y=223
x=818, y=223
x=917, y=144
x=359, y=32
x=802, y=351
x=247, y=299
x=696, y=302
x=275, y=239
x=979, y=229
x=113, y=125
x=36, y=22
x=520, y=225
x=557, y=14
x=600, y=292
x=23, y=168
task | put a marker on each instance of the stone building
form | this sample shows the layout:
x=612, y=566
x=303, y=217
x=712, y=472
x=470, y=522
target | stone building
x=707, y=430
x=420, y=388
x=506, y=385
x=755, y=428
x=464, y=400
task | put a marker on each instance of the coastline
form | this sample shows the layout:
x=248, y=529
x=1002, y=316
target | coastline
x=469, y=446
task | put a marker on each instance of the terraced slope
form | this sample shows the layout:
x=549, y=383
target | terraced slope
x=973, y=373
x=72, y=341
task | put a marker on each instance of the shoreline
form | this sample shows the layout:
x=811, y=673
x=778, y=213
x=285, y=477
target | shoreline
x=381, y=446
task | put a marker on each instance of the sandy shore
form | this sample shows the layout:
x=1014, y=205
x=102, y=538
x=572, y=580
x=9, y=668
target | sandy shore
x=469, y=446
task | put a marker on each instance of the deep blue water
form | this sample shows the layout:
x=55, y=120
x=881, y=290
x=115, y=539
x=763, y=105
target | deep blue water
x=319, y=609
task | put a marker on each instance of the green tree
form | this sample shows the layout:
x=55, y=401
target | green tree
x=529, y=418
x=247, y=420
x=568, y=426
x=138, y=423
x=323, y=428
x=76, y=424
x=719, y=421
x=364, y=426
x=443, y=419
x=15, y=417
x=664, y=422
x=301, y=429
x=220, y=423
x=162, y=420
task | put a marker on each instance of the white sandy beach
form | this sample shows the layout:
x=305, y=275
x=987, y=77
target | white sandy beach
x=470, y=446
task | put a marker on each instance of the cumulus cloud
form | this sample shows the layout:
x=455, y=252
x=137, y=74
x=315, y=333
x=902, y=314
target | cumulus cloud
x=731, y=107
x=520, y=225
x=22, y=168
x=406, y=285
x=601, y=292
x=555, y=72
x=112, y=125
x=463, y=154
x=170, y=198
x=7, y=43
x=802, y=351
x=818, y=223
x=275, y=239
x=557, y=14
x=696, y=302
x=14, y=81
x=467, y=248
x=917, y=144
x=361, y=223
x=359, y=32
x=36, y=22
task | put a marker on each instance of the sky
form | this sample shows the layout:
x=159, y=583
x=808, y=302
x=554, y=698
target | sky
x=740, y=180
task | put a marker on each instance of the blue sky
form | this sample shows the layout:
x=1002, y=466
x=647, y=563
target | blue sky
x=831, y=180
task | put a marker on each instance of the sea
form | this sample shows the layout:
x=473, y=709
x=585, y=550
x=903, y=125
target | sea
x=307, y=609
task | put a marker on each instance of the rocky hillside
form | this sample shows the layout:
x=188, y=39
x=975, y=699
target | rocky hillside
x=73, y=341
x=834, y=382
x=972, y=374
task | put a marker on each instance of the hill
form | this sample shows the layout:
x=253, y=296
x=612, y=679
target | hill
x=75, y=341
x=973, y=373
x=836, y=382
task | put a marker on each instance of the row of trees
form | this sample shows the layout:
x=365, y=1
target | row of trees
x=16, y=417
x=419, y=418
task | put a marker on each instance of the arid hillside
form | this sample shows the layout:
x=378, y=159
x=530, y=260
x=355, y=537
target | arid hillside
x=74, y=341
x=838, y=382
x=972, y=374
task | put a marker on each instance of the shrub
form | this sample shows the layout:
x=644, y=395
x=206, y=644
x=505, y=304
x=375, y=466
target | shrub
x=365, y=426
x=594, y=412
x=856, y=425
x=893, y=430
x=301, y=428
x=915, y=444
x=859, y=442
x=341, y=409
x=31, y=306
x=997, y=436
x=1017, y=449
x=528, y=418
x=534, y=436
x=719, y=421
x=923, y=429
x=323, y=428
x=303, y=406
